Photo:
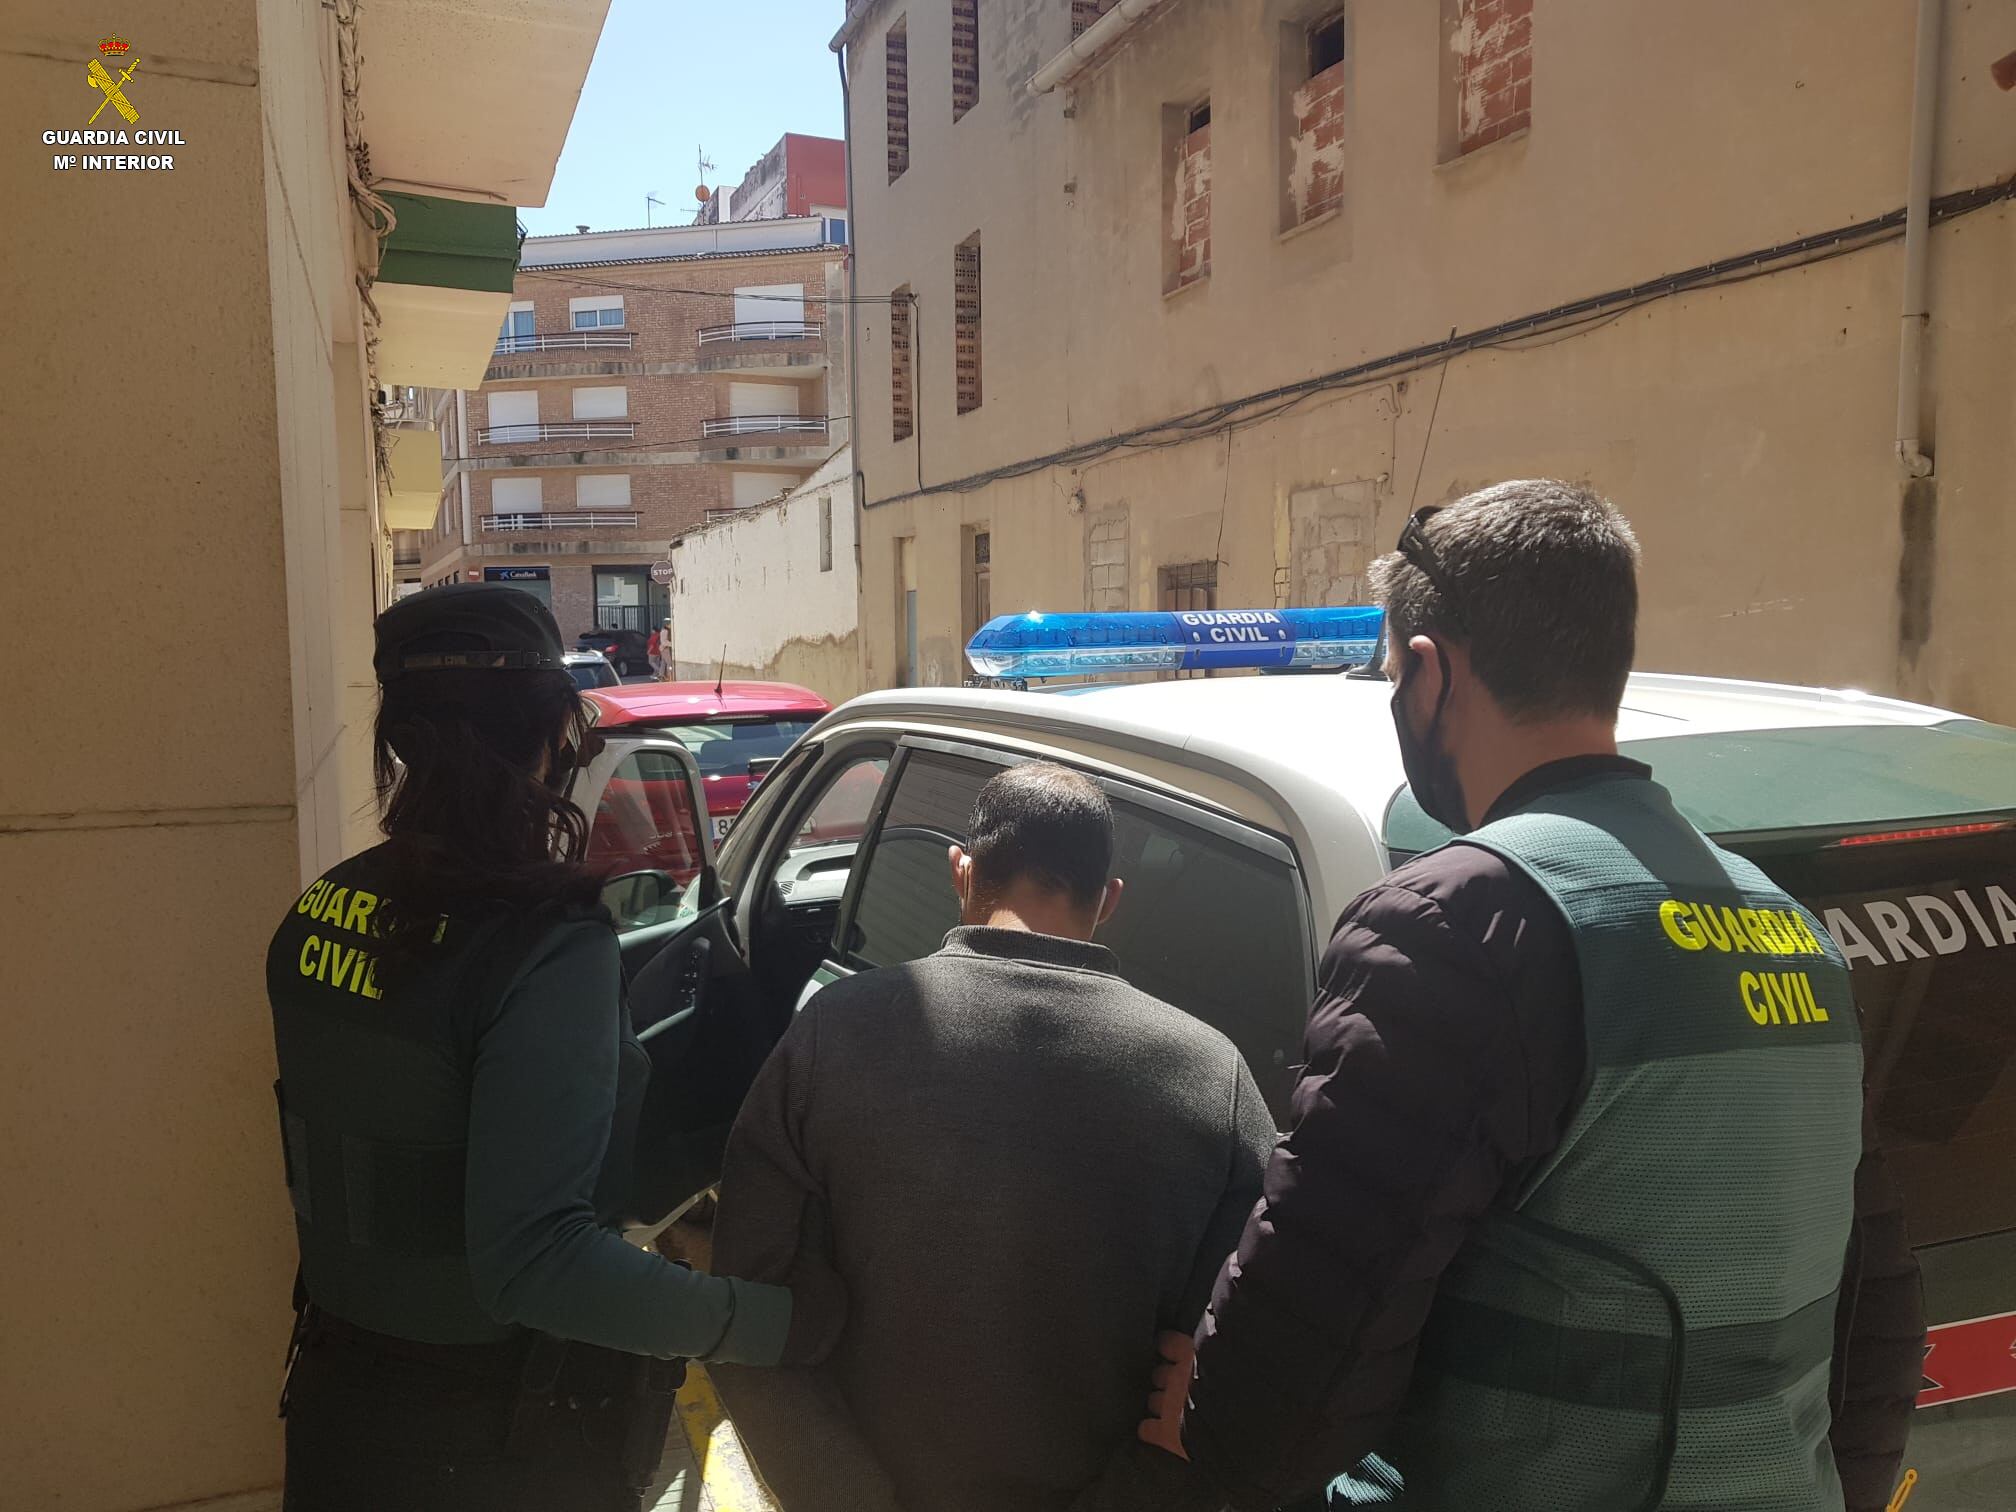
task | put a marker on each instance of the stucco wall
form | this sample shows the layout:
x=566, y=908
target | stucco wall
x=1747, y=430
x=189, y=747
x=754, y=585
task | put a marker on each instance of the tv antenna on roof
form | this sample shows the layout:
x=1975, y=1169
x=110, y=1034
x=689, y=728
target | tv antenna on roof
x=649, y=201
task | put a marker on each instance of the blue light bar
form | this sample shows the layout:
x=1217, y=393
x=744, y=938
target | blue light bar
x=1067, y=645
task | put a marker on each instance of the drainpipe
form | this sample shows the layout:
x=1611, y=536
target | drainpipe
x=1917, y=227
x=858, y=483
x=1095, y=39
x=461, y=452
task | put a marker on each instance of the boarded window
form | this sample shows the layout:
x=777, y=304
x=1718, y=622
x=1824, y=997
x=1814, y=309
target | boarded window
x=1085, y=12
x=1187, y=197
x=896, y=48
x=965, y=56
x=966, y=321
x=1192, y=585
x=902, y=376
x=1491, y=71
x=1316, y=112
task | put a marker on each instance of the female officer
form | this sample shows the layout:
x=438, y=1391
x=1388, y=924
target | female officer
x=458, y=1088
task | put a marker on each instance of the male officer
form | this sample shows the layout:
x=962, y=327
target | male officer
x=1570, y=1214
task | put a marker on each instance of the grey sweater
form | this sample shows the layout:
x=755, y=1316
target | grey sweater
x=1020, y=1168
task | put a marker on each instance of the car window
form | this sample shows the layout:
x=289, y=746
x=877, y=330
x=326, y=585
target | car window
x=646, y=819
x=727, y=747
x=1207, y=922
x=1924, y=926
x=1733, y=782
x=594, y=674
x=816, y=860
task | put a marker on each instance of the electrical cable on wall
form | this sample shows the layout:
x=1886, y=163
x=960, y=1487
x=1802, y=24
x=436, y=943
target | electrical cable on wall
x=1560, y=323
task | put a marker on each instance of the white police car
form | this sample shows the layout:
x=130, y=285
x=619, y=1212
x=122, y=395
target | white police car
x=1250, y=810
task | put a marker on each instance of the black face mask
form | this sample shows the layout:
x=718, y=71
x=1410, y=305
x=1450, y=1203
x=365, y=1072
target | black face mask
x=1430, y=772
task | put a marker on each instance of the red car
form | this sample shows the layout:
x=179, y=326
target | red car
x=734, y=732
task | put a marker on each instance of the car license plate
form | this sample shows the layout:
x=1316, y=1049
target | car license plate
x=721, y=825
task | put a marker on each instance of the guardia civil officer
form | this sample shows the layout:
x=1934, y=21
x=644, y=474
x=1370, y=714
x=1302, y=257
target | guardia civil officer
x=458, y=1087
x=1574, y=1213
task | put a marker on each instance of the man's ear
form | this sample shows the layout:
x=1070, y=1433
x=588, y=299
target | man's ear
x=962, y=868
x=1109, y=901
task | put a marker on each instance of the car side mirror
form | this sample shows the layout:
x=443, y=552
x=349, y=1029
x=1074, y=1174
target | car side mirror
x=638, y=898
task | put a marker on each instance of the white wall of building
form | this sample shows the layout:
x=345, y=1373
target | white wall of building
x=775, y=585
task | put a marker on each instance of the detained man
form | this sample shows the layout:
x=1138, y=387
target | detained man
x=1019, y=1167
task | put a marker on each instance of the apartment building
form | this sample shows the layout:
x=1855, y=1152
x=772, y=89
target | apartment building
x=643, y=382
x=801, y=175
x=1191, y=301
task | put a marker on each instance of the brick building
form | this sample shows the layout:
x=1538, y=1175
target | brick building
x=801, y=175
x=644, y=381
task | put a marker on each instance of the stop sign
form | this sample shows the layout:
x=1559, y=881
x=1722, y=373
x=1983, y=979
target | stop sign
x=661, y=573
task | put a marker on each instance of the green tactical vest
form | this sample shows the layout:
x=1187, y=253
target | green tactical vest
x=374, y=1103
x=1649, y=1322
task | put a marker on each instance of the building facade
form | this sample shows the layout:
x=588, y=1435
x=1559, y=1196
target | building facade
x=771, y=592
x=1192, y=301
x=213, y=339
x=643, y=382
x=801, y=175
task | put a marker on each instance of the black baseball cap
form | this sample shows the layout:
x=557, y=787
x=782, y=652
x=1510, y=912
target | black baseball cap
x=472, y=625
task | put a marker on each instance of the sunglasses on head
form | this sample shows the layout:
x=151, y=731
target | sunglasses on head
x=1414, y=545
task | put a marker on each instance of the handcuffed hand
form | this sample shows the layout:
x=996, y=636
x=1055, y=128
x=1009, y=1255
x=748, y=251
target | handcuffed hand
x=1171, y=1382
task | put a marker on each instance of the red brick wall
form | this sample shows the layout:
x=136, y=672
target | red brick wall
x=1493, y=47
x=1316, y=156
x=966, y=321
x=897, y=113
x=1190, y=227
x=665, y=306
x=902, y=370
x=1085, y=12
x=965, y=56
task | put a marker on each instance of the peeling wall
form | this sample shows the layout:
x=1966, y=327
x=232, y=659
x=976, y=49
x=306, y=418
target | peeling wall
x=774, y=587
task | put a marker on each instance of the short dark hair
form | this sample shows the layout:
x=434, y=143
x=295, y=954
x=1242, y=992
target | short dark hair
x=1538, y=581
x=1044, y=823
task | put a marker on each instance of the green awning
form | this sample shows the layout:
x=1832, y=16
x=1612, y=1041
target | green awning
x=451, y=244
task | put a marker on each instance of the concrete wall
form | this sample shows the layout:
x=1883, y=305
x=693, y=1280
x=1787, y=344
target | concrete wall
x=1748, y=430
x=760, y=586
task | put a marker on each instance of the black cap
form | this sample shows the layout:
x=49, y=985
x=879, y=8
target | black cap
x=488, y=625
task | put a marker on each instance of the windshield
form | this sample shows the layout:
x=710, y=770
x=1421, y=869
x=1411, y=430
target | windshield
x=595, y=674
x=725, y=748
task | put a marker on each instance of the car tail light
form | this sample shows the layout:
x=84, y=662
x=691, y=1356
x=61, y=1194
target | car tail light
x=1926, y=832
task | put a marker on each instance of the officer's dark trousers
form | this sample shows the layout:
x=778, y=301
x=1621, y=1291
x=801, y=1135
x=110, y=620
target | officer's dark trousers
x=370, y=1430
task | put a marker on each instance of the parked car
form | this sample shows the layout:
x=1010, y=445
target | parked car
x=628, y=650
x=734, y=731
x=1250, y=810
x=591, y=669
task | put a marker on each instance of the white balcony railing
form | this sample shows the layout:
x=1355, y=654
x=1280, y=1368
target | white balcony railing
x=565, y=341
x=584, y=519
x=558, y=430
x=759, y=330
x=755, y=425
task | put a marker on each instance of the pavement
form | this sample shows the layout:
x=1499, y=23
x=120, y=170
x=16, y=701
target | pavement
x=704, y=1469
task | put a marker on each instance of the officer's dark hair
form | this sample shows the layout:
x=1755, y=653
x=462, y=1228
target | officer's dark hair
x=466, y=760
x=1046, y=824
x=1537, y=580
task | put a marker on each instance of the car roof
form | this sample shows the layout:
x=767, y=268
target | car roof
x=582, y=656
x=1307, y=752
x=662, y=703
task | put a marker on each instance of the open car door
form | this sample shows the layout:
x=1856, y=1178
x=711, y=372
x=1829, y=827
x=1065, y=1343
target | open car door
x=692, y=1002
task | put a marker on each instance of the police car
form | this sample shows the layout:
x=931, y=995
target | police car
x=1250, y=809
